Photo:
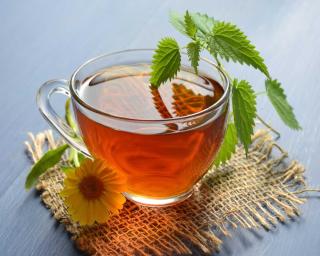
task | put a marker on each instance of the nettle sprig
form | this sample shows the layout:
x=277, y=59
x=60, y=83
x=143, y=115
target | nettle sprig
x=54, y=156
x=224, y=41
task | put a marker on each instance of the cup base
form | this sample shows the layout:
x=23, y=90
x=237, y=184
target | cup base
x=158, y=202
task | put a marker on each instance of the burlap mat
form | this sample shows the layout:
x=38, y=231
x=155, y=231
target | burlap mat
x=254, y=192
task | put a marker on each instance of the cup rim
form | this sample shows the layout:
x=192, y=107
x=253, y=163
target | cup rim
x=217, y=104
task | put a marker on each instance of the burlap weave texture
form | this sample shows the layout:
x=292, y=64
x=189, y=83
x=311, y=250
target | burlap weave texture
x=253, y=192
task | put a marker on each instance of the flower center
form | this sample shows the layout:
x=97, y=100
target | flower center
x=91, y=187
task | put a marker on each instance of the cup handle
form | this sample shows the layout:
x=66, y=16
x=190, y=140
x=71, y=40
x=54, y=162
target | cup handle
x=43, y=101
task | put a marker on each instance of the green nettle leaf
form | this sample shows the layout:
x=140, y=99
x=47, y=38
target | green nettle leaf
x=226, y=41
x=193, y=50
x=204, y=24
x=81, y=157
x=66, y=169
x=279, y=101
x=75, y=157
x=68, y=116
x=244, y=110
x=166, y=61
x=48, y=160
x=177, y=20
x=190, y=26
x=228, y=146
x=229, y=42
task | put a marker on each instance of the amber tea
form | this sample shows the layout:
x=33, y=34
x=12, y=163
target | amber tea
x=160, y=158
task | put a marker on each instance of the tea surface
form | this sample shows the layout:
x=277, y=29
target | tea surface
x=125, y=91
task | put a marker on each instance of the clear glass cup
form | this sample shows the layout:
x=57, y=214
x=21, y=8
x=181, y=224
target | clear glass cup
x=183, y=155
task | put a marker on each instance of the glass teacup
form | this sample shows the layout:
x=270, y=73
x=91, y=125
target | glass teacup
x=162, y=140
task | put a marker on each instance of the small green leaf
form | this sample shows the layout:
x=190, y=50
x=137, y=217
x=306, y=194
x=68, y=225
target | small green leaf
x=68, y=116
x=48, y=160
x=72, y=151
x=165, y=62
x=244, y=110
x=177, y=20
x=81, y=157
x=190, y=26
x=228, y=146
x=193, y=50
x=75, y=157
x=204, y=24
x=66, y=169
x=280, y=103
x=229, y=42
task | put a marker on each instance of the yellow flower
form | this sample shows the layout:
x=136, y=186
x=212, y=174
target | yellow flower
x=92, y=192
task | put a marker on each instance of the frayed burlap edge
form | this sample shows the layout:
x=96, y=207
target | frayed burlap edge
x=253, y=192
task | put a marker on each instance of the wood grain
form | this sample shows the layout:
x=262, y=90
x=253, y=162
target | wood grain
x=41, y=40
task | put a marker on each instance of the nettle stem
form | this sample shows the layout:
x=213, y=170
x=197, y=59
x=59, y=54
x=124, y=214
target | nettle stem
x=224, y=70
x=261, y=93
x=278, y=135
x=219, y=63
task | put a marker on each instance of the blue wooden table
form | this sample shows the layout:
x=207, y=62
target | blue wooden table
x=40, y=40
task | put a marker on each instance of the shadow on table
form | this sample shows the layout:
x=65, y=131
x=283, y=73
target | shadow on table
x=242, y=240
